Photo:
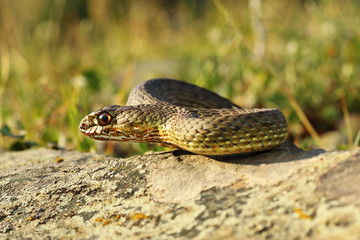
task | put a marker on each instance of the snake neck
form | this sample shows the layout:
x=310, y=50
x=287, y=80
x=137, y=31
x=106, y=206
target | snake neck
x=141, y=123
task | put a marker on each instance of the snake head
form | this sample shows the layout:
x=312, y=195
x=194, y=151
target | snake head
x=99, y=123
x=121, y=123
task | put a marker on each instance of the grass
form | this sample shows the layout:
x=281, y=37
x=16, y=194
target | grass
x=62, y=59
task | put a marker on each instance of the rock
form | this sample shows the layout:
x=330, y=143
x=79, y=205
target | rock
x=285, y=193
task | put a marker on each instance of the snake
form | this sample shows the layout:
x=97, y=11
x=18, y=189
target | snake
x=177, y=114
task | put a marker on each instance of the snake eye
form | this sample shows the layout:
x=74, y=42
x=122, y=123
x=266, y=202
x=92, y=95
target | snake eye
x=104, y=119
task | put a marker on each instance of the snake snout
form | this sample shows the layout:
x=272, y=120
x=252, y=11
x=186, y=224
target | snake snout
x=85, y=125
x=82, y=126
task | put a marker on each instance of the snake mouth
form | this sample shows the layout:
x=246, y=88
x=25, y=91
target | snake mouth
x=89, y=128
x=94, y=132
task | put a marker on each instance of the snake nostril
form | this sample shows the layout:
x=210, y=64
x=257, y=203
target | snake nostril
x=83, y=125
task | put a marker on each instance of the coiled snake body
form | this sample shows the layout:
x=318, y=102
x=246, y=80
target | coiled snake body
x=177, y=114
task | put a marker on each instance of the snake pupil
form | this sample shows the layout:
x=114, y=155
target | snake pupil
x=104, y=118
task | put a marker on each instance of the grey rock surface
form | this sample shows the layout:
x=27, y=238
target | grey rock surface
x=285, y=193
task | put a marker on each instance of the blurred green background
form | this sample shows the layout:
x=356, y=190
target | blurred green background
x=60, y=60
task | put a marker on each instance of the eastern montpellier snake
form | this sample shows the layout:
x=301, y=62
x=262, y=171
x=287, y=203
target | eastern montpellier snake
x=177, y=114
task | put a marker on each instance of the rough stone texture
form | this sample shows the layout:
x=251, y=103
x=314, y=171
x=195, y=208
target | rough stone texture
x=286, y=193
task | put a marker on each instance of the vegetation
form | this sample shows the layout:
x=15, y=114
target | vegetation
x=60, y=60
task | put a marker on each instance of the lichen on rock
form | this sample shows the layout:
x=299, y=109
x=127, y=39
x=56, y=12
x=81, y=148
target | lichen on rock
x=283, y=193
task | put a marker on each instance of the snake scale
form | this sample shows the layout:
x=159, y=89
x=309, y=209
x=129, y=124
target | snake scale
x=177, y=114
